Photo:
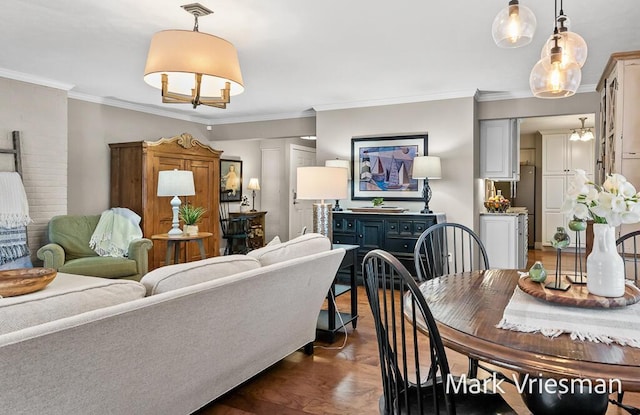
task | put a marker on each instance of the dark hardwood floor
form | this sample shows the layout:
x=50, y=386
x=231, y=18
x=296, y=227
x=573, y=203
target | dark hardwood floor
x=343, y=380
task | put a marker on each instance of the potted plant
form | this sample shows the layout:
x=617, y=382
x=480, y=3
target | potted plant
x=191, y=215
x=377, y=202
x=244, y=204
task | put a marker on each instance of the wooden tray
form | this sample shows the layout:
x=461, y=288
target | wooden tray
x=25, y=280
x=577, y=295
x=389, y=209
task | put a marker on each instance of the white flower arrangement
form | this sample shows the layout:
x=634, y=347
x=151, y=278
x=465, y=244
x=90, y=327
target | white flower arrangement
x=613, y=203
x=245, y=201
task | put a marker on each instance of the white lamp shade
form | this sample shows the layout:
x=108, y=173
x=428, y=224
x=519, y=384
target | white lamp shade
x=513, y=26
x=176, y=183
x=426, y=167
x=574, y=136
x=587, y=135
x=254, y=184
x=319, y=183
x=345, y=164
x=183, y=53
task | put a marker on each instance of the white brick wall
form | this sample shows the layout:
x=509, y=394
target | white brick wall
x=40, y=114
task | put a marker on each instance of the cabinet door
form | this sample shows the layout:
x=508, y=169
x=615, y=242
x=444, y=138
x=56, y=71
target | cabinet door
x=554, y=153
x=499, y=149
x=630, y=110
x=581, y=156
x=203, y=179
x=370, y=234
x=499, y=236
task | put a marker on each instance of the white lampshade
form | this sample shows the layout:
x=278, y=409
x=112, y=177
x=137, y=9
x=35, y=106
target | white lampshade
x=574, y=136
x=551, y=80
x=587, y=135
x=320, y=183
x=514, y=26
x=183, y=53
x=345, y=164
x=426, y=167
x=254, y=184
x=176, y=183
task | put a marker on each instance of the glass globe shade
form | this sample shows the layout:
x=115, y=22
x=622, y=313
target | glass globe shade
x=553, y=81
x=514, y=26
x=574, y=48
x=574, y=136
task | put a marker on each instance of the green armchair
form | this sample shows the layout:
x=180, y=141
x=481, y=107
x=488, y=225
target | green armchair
x=69, y=251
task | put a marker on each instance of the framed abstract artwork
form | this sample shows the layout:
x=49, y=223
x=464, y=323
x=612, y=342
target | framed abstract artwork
x=382, y=167
x=230, y=180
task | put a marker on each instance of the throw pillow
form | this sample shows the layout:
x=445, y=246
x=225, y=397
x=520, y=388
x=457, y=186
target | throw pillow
x=310, y=243
x=176, y=276
x=275, y=241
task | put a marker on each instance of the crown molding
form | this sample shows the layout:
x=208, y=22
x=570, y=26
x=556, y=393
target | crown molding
x=396, y=101
x=137, y=107
x=499, y=96
x=32, y=79
x=266, y=117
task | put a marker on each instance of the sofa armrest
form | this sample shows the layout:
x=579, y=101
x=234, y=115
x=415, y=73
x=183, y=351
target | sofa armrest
x=52, y=255
x=138, y=252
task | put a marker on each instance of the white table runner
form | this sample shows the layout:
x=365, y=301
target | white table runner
x=531, y=315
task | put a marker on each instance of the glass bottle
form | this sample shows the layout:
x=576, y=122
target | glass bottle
x=537, y=272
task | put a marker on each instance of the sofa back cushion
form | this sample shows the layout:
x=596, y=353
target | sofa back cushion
x=171, y=277
x=310, y=243
x=73, y=233
x=65, y=296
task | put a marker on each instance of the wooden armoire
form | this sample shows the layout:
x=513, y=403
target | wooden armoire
x=134, y=183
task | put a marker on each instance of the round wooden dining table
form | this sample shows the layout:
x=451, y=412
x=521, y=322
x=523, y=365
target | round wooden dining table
x=468, y=306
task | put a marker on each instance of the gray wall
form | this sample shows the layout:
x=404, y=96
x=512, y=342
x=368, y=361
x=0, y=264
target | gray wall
x=91, y=128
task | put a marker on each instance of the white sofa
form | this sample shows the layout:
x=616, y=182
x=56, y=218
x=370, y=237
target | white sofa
x=194, y=334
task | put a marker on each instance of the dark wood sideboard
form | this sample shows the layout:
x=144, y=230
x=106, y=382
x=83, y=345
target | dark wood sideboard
x=396, y=233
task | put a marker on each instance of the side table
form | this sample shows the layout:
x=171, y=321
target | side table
x=173, y=244
x=327, y=318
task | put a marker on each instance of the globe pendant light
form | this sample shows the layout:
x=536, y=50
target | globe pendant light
x=551, y=79
x=574, y=48
x=514, y=26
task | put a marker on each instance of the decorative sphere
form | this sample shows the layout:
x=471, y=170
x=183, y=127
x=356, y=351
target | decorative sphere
x=577, y=225
x=560, y=239
x=537, y=272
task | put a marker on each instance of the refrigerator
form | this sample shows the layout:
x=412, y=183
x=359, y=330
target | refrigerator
x=526, y=197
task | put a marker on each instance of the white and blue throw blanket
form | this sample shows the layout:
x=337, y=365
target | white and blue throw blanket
x=116, y=228
x=14, y=217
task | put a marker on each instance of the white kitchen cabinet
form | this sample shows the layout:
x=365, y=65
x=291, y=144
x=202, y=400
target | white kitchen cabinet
x=500, y=149
x=560, y=159
x=504, y=236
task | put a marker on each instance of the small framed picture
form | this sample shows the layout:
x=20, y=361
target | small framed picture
x=383, y=167
x=230, y=180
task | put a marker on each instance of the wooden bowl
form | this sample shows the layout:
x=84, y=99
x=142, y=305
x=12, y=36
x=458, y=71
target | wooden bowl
x=25, y=280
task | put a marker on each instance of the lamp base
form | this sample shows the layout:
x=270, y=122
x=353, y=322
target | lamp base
x=426, y=210
x=322, y=218
x=175, y=223
x=337, y=207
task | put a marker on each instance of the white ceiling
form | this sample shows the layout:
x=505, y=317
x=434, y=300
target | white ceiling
x=298, y=55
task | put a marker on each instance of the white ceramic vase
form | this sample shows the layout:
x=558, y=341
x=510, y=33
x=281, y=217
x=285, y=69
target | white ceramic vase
x=605, y=267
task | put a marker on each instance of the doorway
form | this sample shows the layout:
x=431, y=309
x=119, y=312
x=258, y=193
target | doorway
x=301, y=211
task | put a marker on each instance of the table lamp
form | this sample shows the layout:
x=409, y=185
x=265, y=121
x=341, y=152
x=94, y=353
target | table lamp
x=345, y=164
x=426, y=167
x=320, y=183
x=175, y=183
x=253, y=185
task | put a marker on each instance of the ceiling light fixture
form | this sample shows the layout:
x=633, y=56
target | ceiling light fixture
x=582, y=134
x=574, y=48
x=200, y=69
x=552, y=76
x=514, y=26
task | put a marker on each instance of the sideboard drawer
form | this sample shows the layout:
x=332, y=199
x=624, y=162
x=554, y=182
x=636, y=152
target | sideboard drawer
x=344, y=225
x=404, y=245
x=347, y=239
